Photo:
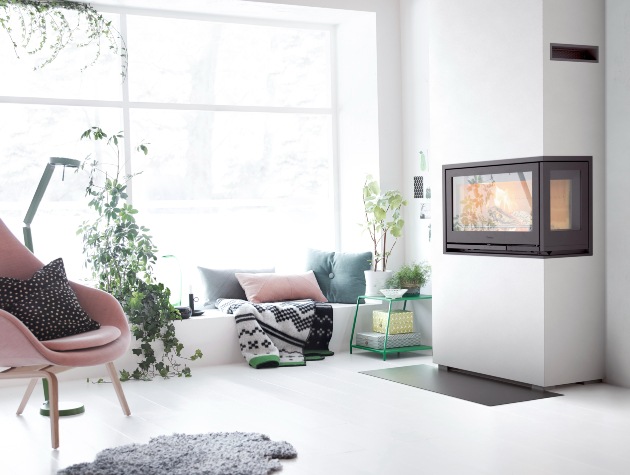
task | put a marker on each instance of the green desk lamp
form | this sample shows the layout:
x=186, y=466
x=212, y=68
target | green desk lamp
x=65, y=408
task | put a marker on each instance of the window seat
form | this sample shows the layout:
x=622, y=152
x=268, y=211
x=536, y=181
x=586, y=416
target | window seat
x=214, y=333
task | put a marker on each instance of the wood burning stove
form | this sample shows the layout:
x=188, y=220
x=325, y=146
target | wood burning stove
x=529, y=207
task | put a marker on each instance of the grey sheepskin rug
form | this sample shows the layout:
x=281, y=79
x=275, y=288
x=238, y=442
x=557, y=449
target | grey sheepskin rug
x=217, y=453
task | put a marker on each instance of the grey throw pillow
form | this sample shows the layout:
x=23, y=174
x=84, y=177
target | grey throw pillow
x=340, y=275
x=223, y=284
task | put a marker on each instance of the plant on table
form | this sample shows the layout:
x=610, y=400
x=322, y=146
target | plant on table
x=411, y=277
x=384, y=222
x=121, y=256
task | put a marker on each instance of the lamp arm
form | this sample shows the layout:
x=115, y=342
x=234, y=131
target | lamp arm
x=37, y=199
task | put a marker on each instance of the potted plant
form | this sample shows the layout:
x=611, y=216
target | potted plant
x=411, y=277
x=384, y=223
x=121, y=256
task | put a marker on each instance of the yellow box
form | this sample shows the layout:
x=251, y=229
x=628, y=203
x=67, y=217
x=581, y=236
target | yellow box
x=401, y=322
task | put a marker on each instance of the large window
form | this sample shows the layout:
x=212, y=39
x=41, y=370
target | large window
x=238, y=119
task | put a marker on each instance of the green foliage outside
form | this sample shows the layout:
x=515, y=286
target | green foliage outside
x=121, y=256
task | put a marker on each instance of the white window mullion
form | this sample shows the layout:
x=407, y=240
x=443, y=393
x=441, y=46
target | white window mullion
x=126, y=104
x=229, y=108
x=126, y=112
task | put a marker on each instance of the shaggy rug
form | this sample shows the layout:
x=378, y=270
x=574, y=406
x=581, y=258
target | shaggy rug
x=217, y=453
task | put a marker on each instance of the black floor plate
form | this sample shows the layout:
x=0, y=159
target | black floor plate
x=460, y=385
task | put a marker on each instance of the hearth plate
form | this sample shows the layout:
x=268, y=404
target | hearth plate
x=460, y=385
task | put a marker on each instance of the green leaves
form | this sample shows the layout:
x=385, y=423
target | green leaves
x=121, y=255
x=371, y=189
x=383, y=218
x=44, y=28
x=416, y=274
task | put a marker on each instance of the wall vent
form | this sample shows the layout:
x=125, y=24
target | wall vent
x=588, y=54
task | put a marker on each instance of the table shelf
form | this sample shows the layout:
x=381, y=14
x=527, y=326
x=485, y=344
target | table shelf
x=385, y=351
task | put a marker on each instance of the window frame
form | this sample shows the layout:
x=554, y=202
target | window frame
x=126, y=105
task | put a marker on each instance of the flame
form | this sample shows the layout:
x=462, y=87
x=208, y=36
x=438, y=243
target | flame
x=503, y=201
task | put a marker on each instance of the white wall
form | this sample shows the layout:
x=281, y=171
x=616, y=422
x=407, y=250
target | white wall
x=414, y=31
x=617, y=56
x=574, y=125
x=414, y=45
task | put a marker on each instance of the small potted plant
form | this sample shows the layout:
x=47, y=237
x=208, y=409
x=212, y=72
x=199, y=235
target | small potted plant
x=411, y=277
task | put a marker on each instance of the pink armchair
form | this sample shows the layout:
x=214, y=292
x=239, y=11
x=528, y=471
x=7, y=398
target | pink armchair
x=27, y=357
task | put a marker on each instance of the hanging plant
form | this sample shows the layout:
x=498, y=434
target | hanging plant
x=44, y=27
x=121, y=256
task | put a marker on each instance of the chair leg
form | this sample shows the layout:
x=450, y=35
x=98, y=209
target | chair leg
x=53, y=400
x=27, y=395
x=113, y=374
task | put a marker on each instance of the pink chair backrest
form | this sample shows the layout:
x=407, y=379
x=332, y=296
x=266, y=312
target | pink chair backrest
x=15, y=259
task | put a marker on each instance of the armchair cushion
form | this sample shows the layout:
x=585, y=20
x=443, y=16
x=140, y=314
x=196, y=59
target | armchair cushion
x=45, y=303
x=104, y=335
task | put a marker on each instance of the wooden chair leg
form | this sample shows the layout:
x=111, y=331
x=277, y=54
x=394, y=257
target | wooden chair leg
x=27, y=395
x=53, y=400
x=113, y=374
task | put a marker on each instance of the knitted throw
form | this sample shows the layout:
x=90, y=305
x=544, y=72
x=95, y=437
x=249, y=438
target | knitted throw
x=275, y=334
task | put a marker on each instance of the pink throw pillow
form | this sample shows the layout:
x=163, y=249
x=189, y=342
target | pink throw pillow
x=262, y=288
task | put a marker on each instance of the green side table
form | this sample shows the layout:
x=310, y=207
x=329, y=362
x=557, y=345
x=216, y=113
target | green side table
x=385, y=351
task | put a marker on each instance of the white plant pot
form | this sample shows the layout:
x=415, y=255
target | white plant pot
x=375, y=281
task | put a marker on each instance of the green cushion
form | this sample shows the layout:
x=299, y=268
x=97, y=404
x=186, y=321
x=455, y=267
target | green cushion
x=340, y=275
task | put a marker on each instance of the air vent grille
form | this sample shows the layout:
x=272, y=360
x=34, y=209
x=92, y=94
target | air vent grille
x=561, y=52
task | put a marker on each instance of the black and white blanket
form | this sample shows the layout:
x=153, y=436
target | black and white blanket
x=281, y=333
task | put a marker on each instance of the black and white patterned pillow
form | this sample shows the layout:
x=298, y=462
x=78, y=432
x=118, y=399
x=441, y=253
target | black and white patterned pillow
x=46, y=303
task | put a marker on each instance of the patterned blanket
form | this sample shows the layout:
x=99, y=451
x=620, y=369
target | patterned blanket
x=281, y=333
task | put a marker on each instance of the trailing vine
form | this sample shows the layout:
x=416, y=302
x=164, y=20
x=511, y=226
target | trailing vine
x=44, y=26
x=121, y=255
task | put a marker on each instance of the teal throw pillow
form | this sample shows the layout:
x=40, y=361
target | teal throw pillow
x=340, y=275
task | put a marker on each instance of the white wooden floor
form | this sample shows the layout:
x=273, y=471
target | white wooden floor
x=340, y=422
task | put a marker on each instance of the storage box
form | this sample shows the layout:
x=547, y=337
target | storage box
x=401, y=322
x=376, y=340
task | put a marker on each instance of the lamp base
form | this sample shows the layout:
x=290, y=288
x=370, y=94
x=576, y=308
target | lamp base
x=66, y=408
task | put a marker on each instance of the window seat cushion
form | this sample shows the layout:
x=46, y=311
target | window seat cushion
x=263, y=288
x=222, y=283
